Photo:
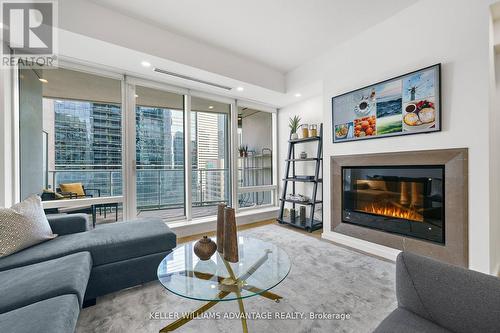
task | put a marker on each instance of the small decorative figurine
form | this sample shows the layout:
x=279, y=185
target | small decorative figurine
x=205, y=248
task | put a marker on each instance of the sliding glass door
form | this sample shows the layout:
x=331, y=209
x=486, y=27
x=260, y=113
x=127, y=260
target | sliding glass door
x=70, y=138
x=159, y=154
x=209, y=156
x=120, y=148
x=256, y=158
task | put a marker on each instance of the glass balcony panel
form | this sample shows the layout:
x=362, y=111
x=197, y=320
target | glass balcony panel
x=255, y=199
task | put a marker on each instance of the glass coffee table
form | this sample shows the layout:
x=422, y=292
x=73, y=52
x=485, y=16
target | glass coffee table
x=261, y=266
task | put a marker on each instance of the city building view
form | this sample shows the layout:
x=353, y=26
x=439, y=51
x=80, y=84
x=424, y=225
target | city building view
x=85, y=145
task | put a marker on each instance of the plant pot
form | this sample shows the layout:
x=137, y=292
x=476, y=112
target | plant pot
x=294, y=136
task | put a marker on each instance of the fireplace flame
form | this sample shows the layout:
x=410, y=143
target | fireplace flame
x=390, y=210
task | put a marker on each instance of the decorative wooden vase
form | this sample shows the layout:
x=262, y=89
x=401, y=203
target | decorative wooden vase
x=230, y=236
x=220, y=227
x=205, y=248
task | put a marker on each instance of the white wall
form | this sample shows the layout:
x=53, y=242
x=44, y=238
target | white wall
x=257, y=131
x=452, y=32
x=494, y=70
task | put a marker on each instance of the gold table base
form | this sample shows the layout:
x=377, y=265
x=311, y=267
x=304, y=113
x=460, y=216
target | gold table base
x=228, y=286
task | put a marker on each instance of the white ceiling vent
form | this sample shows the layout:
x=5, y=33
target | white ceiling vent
x=185, y=77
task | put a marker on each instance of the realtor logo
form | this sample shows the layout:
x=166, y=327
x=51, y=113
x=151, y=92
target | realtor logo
x=28, y=32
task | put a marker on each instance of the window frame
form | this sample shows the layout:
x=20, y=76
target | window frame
x=128, y=85
x=261, y=188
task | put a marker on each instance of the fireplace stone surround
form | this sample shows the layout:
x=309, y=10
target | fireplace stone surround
x=455, y=162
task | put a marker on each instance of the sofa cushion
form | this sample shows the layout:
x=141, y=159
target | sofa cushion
x=107, y=243
x=455, y=298
x=29, y=284
x=54, y=315
x=401, y=320
x=64, y=224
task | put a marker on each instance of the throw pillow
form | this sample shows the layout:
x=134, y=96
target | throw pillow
x=23, y=225
x=76, y=188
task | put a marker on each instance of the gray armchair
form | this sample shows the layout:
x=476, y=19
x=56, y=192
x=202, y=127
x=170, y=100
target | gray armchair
x=438, y=297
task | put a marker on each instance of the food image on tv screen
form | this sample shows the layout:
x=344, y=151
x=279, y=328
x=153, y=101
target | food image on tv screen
x=408, y=104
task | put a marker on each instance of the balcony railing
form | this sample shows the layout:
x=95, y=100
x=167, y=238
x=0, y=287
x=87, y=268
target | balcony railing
x=157, y=187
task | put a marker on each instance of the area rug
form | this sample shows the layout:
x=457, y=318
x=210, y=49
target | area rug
x=348, y=291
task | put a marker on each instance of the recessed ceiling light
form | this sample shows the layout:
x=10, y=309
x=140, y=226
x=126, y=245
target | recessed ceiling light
x=146, y=64
x=298, y=95
x=43, y=80
x=240, y=89
x=210, y=107
x=136, y=95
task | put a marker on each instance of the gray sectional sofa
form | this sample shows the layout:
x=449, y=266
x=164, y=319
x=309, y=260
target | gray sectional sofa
x=437, y=297
x=44, y=287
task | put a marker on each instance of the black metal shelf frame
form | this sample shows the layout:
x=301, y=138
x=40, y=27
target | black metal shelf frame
x=311, y=224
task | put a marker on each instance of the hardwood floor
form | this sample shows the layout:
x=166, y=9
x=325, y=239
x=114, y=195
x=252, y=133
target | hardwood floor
x=316, y=234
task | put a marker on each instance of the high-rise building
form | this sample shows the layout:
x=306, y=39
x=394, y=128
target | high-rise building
x=88, y=148
x=211, y=155
x=178, y=149
x=153, y=136
x=87, y=135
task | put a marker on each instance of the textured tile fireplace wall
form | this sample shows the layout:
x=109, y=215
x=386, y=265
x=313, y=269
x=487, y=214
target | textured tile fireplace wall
x=426, y=192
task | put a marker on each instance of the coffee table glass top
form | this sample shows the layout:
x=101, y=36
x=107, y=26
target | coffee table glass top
x=261, y=266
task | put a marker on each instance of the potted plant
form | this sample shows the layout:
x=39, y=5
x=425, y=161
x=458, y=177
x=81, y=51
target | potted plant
x=241, y=150
x=245, y=151
x=294, y=126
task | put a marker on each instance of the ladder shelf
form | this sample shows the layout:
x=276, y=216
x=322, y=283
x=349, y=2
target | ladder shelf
x=311, y=223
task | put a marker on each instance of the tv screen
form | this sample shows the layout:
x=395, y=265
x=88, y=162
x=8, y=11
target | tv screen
x=407, y=104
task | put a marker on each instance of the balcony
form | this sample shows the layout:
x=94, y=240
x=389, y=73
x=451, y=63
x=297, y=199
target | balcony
x=160, y=191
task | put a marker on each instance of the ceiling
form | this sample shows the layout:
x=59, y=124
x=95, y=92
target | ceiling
x=281, y=34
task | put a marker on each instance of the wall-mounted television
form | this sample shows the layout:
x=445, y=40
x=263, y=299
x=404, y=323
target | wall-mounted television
x=404, y=105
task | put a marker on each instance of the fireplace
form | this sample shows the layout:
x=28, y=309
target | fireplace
x=404, y=200
x=413, y=201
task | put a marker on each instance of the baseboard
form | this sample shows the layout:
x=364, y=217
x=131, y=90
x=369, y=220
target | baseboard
x=362, y=245
x=195, y=227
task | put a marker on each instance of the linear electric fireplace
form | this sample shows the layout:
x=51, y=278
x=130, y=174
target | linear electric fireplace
x=405, y=200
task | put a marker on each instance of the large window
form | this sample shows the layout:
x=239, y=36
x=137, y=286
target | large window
x=171, y=154
x=209, y=156
x=71, y=139
x=86, y=144
x=255, y=162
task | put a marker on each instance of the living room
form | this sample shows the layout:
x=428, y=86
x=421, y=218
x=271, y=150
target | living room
x=263, y=166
